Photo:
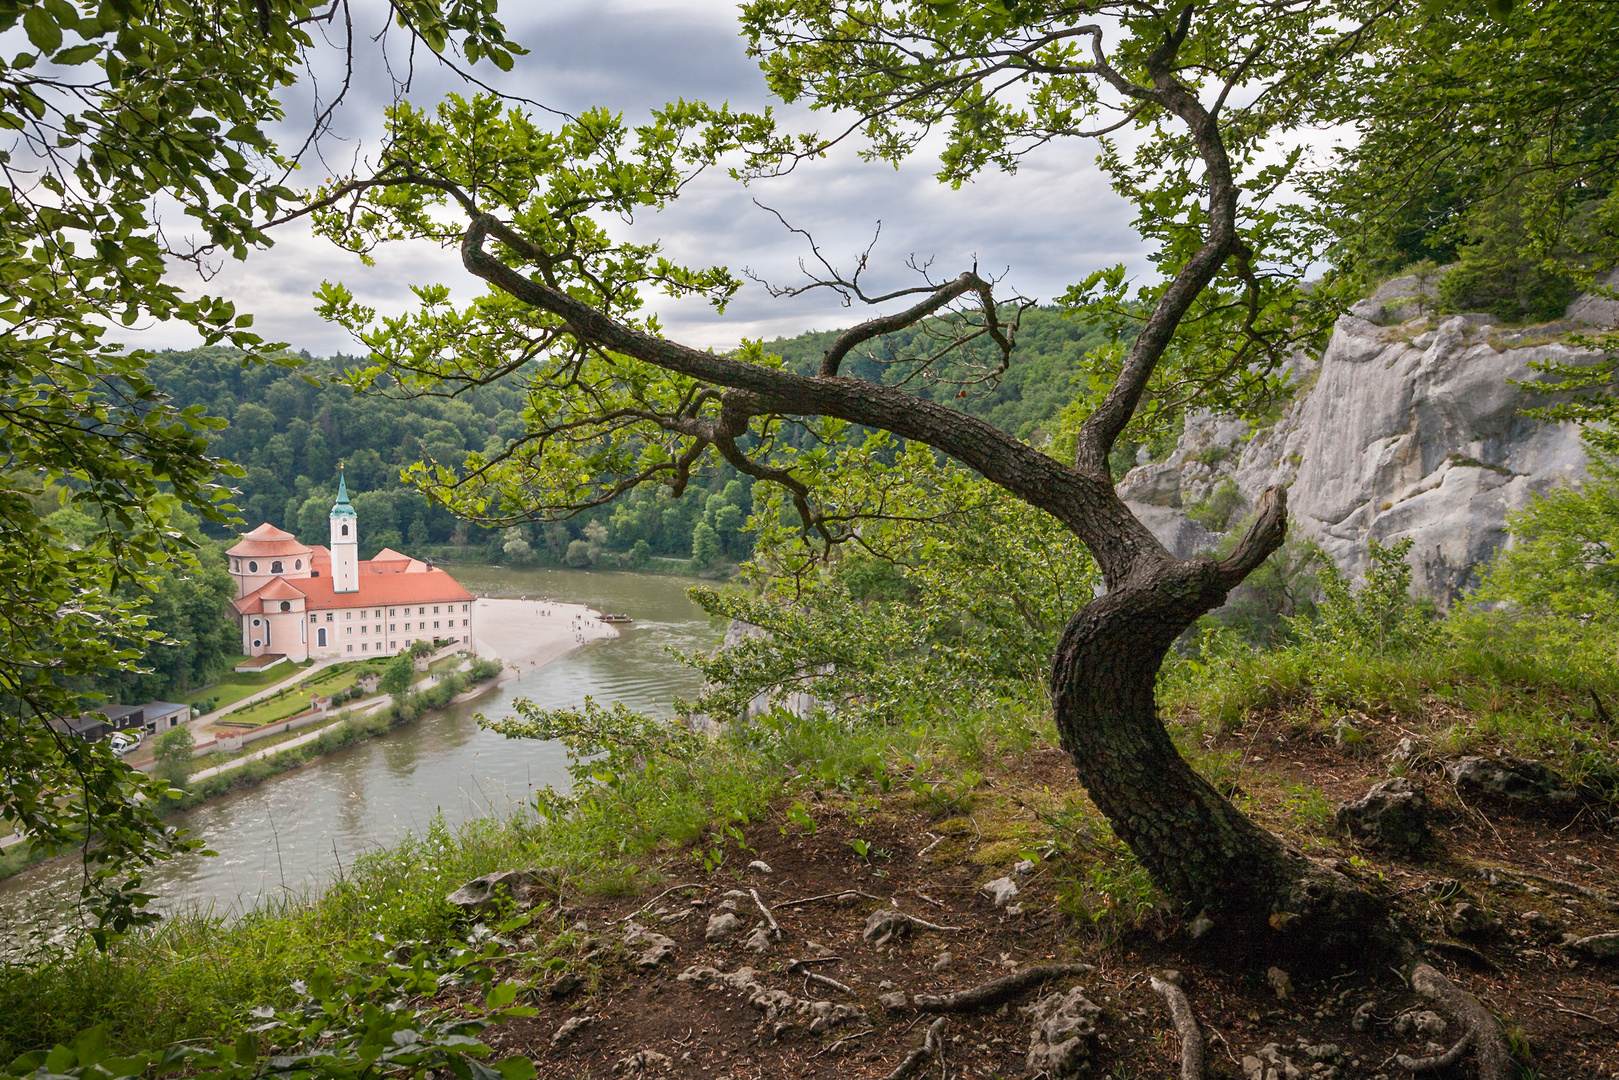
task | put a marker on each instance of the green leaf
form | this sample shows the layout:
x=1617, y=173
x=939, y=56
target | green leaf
x=516, y=1068
x=42, y=30
x=500, y=995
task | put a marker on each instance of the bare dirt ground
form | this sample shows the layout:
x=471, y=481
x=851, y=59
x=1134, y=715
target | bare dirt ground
x=1561, y=1011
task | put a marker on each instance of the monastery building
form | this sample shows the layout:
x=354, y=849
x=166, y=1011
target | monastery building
x=301, y=602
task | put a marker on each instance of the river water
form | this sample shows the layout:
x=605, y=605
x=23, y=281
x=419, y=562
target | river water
x=289, y=833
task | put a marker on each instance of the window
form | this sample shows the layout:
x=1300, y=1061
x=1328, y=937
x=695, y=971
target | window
x=348, y=629
x=328, y=616
x=345, y=530
x=297, y=564
x=255, y=622
x=392, y=627
x=362, y=646
x=421, y=626
x=252, y=568
x=286, y=605
x=435, y=624
x=351, y=648
x=463, y=622
x=320, y=637
x=348, y=614
x=463, y=607
x=421, y=611
x=257, y=643
x=392, y=612
x=364, y=629
x=236, y=566
x=393, y=645
x=435, y=609
x=379, y=628
x=311, y=616
x=275, y=567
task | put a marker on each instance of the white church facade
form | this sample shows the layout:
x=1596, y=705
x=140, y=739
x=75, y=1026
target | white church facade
x=301, y=602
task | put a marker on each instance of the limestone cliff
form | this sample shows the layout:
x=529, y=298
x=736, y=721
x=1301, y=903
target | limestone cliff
x=1409, y=424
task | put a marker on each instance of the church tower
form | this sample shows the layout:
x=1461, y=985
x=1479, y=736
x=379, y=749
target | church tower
x=345, y=541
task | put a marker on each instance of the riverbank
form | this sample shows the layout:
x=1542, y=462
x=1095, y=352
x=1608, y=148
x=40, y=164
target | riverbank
x=526, y=634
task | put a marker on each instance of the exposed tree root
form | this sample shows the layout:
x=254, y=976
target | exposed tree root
x=1481, y=1031
x=887, y=924
x=923, y=1054
x=996, y=991
x=1572, y=886
x=775, y=927
x=1180, y=1011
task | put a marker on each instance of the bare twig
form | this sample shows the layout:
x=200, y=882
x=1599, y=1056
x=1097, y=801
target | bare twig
x=660, y=896
x=847, y=1038
x=937, y=840
x=923, y=1054
x=775, y=927
x=997, y=990
x=1180, y=1011
x=829, y=896
x=828, y=981
x=796, y=964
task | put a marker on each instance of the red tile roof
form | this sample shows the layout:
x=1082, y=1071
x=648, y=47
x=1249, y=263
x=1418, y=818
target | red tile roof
x=267, y=541
x=377, y=589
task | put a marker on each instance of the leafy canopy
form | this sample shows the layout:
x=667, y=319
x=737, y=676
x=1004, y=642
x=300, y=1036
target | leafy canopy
x=117, y=111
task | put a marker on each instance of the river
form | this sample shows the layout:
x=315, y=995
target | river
x=289, y=833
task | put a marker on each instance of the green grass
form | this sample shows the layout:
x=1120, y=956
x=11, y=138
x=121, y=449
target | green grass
x=233, y=687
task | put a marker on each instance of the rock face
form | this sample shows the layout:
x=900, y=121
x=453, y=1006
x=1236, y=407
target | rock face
x=1393, y=815
x=1508, y=778
x=522, y=888
x=1064, y=1034
x=1409, y=424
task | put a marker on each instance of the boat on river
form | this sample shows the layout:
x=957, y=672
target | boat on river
x=620, y=618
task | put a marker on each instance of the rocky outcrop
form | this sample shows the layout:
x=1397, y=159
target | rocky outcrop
x=1410, y=424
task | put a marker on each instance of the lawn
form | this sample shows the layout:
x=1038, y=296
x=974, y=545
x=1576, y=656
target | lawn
x=233, y=687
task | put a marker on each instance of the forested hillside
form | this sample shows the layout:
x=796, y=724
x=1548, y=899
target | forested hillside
x=291, y=428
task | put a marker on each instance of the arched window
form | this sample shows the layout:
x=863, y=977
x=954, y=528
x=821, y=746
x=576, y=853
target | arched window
x=275, y=567
x=238, y=565
x=345, y=530
x=252, y=568
x=297, y=564
x=320, y=637
x=286, y=605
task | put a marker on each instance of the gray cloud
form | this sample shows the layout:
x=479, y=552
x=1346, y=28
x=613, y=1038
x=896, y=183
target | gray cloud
x=1045, y=227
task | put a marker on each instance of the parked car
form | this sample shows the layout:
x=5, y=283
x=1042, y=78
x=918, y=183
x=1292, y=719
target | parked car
x=122, y=742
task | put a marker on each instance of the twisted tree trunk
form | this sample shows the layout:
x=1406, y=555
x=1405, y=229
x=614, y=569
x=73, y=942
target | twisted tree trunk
x=1199, y=849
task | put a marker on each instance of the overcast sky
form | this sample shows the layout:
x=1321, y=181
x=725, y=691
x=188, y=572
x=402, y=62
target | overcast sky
x=1046, y=227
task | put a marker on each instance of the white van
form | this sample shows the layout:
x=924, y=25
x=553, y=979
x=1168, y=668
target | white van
x=122, y=742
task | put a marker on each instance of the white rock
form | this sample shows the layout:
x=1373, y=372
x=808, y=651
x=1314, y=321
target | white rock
x=1412, y=430
x=722, y=926
x=1002, y=891
x=759, y=866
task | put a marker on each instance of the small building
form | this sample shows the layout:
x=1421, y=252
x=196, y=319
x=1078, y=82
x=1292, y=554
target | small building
x=163, y=715
x=306, y=602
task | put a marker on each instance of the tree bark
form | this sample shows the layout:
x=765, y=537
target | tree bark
x=1200, y=850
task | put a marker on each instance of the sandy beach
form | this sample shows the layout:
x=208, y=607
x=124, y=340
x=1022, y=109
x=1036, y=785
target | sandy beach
x=528, y=634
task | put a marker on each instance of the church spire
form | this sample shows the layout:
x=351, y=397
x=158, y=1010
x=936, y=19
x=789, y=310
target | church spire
x=342, y=507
